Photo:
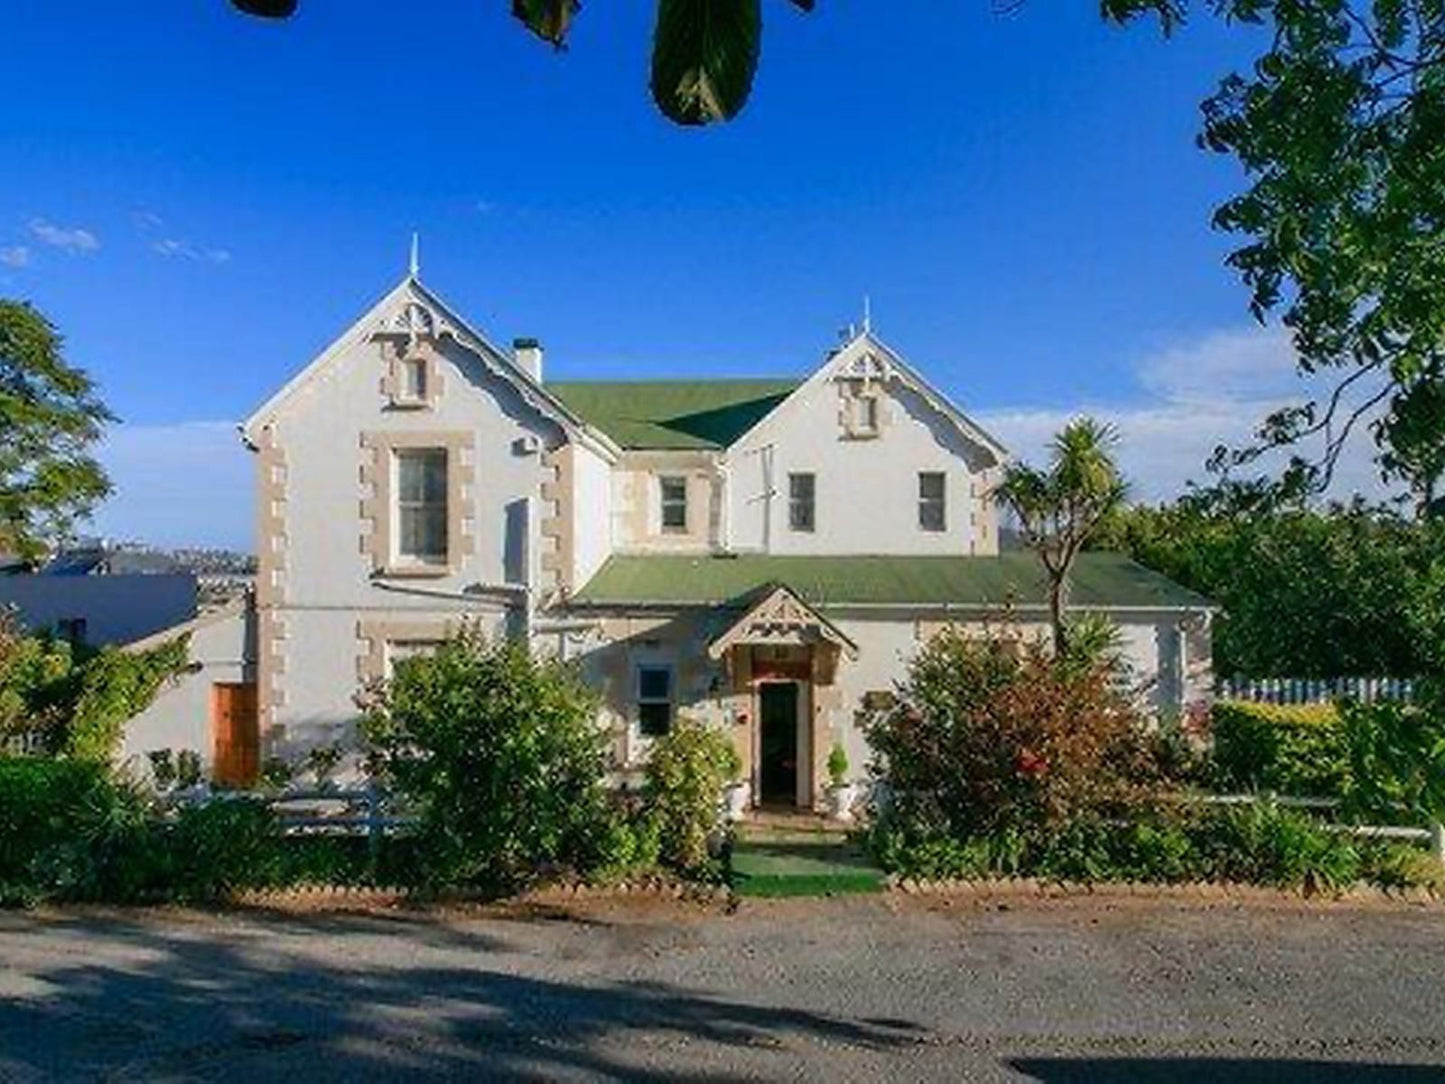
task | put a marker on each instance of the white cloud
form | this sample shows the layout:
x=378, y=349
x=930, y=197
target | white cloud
x=1193, y=397
x=69, y=238
x=147, y=220
x=188, y=483
x=485, y=206
x=183, y=249
x=16, y=256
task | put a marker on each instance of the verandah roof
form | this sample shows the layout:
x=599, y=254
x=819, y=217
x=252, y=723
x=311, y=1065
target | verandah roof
x=1100, y=581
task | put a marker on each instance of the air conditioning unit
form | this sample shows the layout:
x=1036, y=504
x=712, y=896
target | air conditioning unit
x=528, y=445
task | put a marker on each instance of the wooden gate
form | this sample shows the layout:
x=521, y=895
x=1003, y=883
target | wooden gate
x=236, y=727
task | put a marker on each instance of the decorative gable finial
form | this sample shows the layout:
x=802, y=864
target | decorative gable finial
x=867, y=315
x=414, y=267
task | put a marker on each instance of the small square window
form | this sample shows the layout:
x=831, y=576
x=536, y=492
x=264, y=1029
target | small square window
x=674, y=503
x=654, y=700
x=932, y=501
x=802, y=510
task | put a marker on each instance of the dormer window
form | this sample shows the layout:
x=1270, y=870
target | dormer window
x=413, y=380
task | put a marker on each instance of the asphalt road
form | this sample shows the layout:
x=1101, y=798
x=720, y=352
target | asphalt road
x=870, y=989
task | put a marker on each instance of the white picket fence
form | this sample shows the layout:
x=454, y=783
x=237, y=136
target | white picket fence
x=1368, y=690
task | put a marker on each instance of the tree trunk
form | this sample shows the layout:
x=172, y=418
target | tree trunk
x=1058, y=600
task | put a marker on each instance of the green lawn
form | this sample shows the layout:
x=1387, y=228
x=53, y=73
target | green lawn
x=801, y=866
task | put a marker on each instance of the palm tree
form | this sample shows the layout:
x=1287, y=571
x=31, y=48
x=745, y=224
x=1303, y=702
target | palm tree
x=1058, y=509
x=704, y=52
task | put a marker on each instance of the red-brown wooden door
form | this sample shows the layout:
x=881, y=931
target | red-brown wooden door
x=237, y=731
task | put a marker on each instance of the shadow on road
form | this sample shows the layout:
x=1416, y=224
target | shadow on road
x=1233, y=1070
x=175, y=1003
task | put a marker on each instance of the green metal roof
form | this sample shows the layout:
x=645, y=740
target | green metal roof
x=1099, y=580
x=656, y=414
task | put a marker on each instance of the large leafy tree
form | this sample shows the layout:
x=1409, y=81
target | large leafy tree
x=50, y=418
x=1340, y=129
x=1059, y=508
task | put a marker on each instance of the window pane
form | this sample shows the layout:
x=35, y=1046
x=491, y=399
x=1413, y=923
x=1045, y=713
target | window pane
x=413, y=378
x=654, y=720
x=654, y=683
x=932, y=514
x=421, y=512
x=674, y=503
x=800, y=502
x=868, y=414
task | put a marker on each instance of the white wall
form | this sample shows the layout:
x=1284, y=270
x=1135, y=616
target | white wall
x=866, y=489
x=221, y=650
x=116, y=609
x=592, y=497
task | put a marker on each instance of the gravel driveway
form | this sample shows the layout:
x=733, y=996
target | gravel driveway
x=863, y=989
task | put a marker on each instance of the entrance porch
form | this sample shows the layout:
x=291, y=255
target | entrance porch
x=782, y=660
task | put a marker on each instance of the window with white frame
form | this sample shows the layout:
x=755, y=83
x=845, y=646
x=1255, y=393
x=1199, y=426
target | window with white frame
x=421, y=505
x=932, y=501
x=654, y=700
x=412, y=380
x=673, y=490
x=802, y=511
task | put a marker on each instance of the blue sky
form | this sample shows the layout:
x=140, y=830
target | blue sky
x=201, y=201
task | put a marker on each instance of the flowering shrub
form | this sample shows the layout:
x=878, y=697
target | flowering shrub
x=687, y=770
x=989, y=733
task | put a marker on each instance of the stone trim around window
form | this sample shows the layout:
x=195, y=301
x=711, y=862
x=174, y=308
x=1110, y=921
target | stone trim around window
x=271, y=471
x=379, y=507
x=396, y=354
x=852, y=394
x=373, y=634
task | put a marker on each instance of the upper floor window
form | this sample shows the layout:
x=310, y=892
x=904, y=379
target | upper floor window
x=801, y=509
x=413, y=377
x=674, y=503
x=862, y=413
x=421, y=505
x=654, y=700
x=932, y=501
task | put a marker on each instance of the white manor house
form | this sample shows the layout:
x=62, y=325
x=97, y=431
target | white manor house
x=765, y=554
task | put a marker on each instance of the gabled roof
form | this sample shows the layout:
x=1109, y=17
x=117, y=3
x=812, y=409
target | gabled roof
x=1104, y=581
x=777, y=614
x=670, y=414
x=446, y=322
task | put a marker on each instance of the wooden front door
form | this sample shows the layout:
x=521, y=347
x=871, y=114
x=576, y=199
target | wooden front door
x=237, y=731
x=778, y=743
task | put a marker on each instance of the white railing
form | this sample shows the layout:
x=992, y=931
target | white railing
x=1368, y=690
x=1434, y=834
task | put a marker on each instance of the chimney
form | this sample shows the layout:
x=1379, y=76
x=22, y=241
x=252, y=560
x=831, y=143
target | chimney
x=528, y=355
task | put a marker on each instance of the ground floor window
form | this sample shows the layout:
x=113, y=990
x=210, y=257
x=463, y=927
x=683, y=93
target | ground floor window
x=654, y=700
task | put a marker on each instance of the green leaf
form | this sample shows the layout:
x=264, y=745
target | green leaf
x=548, y=19
x=704, y=55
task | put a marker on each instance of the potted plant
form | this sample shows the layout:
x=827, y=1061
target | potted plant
x=841, y=793
x=738, y=792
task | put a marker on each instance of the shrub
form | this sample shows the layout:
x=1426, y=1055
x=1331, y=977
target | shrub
x=687, y=771
x=1296, y=750
x=498, y=755
x=990, y=733
x=1261, y=843
x=1395, y=757
x=69, y=831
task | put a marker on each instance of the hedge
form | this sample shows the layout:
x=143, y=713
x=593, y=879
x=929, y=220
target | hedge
x=1296, y=749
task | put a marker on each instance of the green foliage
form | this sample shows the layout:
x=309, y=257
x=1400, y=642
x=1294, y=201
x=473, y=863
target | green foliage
x=989, y=734
x=1337, y=127
x=163, y=768
x=51, y=417
x=1292, y=750
x=1252, y=844
x=1396, y=759
x=1059, y=509
x=838, y=764
x=67, y=831
x=113, y=687
x=498, y=755
x=77, y=704
x=687, y=770
x=188, y=768
x=1361, y=591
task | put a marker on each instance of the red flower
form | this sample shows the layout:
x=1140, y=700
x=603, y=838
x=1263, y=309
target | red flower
x=1030, y=763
